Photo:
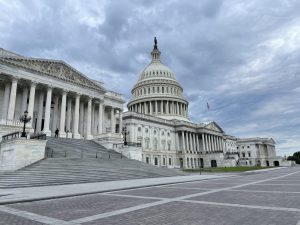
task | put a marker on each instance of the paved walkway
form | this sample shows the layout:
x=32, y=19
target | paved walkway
x=48, y=192
x=263, y=198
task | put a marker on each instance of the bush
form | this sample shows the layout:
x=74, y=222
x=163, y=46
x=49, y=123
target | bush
x=295, y=157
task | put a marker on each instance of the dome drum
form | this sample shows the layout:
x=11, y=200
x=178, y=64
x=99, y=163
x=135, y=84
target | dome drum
x=157, y=92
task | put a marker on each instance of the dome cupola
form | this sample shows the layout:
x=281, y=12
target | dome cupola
x=157, y=91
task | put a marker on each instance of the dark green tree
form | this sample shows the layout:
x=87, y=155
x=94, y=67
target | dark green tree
x=295, y=157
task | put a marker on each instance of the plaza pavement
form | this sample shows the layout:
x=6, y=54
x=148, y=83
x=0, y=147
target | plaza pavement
x=262, y=198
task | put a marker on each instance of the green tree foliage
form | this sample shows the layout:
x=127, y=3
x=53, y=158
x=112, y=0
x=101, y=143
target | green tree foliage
x=295, y=157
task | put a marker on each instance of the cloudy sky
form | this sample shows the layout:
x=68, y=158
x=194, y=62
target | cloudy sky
x=243, y=57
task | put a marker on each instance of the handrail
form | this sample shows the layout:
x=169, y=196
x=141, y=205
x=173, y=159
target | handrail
x=9, y=136
x=38, y=136
x=134, y=144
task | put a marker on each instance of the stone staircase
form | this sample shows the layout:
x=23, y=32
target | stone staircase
x=73, y=161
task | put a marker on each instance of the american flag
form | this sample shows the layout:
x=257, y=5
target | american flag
x=208, y=106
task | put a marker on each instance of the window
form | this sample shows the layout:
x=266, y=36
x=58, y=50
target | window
x=157, y=89
x=168, y=134
x=154, y=132
x=164, y=161
x=249, y=154
x=147, y=160
x=148, y=90
x=146, y=130
x=242, y=147
x=153, y=89
x=243, y=154
x=163, y=90
x=170, y=162
x=139, y=129
x=169, y=146
x=163, y=133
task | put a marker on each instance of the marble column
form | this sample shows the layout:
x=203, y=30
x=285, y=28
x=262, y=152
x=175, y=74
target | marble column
x=112, y=120
x=48, y=112
x=183, y=141
x=203, y=143
x=177, y=108
x=100, y=119
x=69, y=117
x=150, y=107
x=156, y=109
x=55, y=114
x=62, y=123
x=81, y=119
x=38, y=127
x=31, y=99
x=12, y=99
x=76, y=117
x=120, y=121
x=167, y=108
x=5, y=101
x=89, y=120
x=176, y=141
x=24, y=100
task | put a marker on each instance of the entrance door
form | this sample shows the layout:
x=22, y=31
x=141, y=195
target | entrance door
x=267, y=162
x=276, y=163
x=213, y=163
x=201, y=163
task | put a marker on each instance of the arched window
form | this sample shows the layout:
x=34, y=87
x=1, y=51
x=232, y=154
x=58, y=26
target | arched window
x=155, y=144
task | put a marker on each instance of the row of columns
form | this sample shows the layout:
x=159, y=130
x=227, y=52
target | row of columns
x=9, y=104
x=160, y=107
x=191, y=142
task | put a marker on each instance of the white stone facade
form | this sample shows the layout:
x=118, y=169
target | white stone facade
x=56, y=96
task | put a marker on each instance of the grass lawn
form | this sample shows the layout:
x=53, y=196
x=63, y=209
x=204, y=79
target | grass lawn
x=225, y=169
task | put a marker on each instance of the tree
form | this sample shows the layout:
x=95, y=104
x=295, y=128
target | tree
x=295, y=157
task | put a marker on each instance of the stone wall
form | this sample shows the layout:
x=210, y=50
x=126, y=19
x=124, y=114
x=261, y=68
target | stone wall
x=18, y=153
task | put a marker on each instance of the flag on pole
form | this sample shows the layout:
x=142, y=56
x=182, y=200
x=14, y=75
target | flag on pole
x=208, y=106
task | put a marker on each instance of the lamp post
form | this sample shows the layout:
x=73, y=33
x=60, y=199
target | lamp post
x=25, y=119
x=125, y=132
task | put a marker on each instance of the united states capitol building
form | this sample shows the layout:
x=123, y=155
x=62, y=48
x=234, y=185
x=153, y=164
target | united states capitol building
x=156, y=129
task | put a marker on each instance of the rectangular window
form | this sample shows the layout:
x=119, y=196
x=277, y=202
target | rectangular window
x=170, y=161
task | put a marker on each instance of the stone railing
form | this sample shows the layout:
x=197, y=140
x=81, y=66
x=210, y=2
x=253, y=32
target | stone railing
x=14, y=123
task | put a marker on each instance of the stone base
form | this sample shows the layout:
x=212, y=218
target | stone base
x=76, y=136
x=18, y=153
x=110, y=140
x=62, y=134
x=48, y=133
x=69, y=135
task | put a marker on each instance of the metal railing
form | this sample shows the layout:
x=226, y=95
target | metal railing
x=52, y=153
x=38, y=136
x=133, y=144
x=10, y=136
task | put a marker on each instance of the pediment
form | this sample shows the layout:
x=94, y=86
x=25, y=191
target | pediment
x=55, y=68
x=214, y=126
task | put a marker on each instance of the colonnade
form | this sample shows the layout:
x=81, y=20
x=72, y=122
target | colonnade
x=75, y=115
x=156, y=107
x=194, y=142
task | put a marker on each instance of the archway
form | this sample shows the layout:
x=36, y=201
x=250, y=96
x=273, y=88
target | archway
x=213, y=163
x=181, y=162
x=276, y=163
x=267, y=162
x=155, y=161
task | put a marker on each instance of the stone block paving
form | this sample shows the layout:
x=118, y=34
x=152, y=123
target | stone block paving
x=159, y=192
x=9, y=219
x=179, y=213
x=76, y=207
x=248, y=200
x=271, y=187
x=288, y=200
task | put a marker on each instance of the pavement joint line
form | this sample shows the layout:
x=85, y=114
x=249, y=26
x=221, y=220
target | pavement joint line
x=242, y=206
x=134, y=196
x=35, y=217
x=277, y=192
x=144, y=206
x=280, y=184
x=187, y=188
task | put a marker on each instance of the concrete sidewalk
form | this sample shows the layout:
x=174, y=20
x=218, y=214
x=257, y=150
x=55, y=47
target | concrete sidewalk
x=58, y=191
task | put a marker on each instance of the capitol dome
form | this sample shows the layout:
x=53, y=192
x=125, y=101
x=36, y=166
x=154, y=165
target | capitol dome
x=157, y=92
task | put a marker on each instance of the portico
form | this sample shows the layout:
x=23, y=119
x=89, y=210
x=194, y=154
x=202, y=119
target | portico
x=56, y=96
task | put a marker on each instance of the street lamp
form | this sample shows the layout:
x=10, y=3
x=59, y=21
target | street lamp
x=125, y=132
x=25, y=119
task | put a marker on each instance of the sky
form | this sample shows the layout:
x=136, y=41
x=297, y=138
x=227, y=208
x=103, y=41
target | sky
x=242, y=57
